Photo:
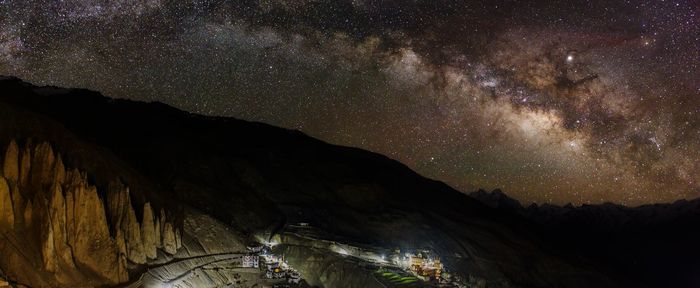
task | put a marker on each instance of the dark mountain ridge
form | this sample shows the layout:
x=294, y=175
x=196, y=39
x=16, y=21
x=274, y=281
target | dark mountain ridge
x=136, y=132
x=256, y=177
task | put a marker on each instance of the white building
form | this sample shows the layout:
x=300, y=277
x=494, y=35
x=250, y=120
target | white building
x=251, y=261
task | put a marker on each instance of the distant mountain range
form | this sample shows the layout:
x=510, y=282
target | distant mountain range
x=657, y=243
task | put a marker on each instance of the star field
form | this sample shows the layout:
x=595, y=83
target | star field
x=576, y=101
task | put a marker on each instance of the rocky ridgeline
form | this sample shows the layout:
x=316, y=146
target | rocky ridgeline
x=55, y=222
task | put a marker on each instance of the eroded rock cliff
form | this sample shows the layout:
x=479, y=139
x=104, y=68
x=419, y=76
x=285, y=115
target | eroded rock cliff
x=56, y=223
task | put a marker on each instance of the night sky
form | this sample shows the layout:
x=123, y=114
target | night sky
x=551, y=101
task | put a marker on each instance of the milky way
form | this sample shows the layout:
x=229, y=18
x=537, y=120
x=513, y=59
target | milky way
x=582, y=102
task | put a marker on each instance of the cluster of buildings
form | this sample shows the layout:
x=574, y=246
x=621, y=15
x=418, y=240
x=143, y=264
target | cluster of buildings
x=420, y=263
x=277, y=268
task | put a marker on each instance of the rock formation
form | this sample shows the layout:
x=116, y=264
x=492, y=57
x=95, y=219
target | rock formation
x=59, y=216
x=178, y=239
x=124, y=221
x=7, y=216
x=57, y=210
x=158, y=239
x=148, y=232
x=169, y=244
x=11, y=164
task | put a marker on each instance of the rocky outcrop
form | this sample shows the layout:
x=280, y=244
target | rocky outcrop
x=178, y=239
x=169, y=243
x=7, y=216
x=159, y=240
x=88, y=232
x=79, y=238
x=124, y=221
x=171, y=238
x=57, y=210
x=148, y=232
x=10, y=168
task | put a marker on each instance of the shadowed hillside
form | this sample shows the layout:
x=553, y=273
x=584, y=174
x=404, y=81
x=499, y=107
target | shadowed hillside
x=260, y=180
